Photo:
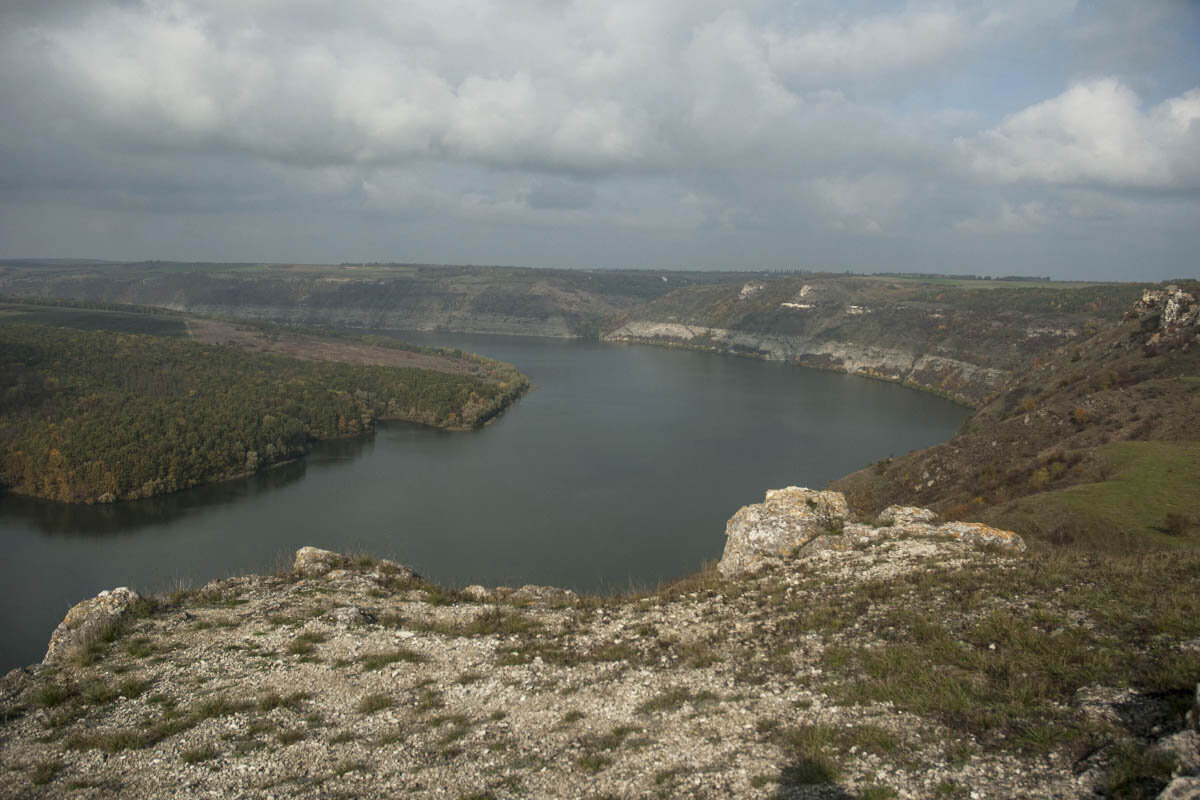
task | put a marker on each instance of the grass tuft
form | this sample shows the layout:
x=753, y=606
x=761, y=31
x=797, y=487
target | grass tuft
x=372, y=703
x=194, y=755
x=381, y=659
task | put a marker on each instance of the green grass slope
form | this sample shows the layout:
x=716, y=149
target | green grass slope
x=1131, y=509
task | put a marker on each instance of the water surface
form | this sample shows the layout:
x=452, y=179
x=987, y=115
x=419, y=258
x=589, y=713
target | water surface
x=620, y=467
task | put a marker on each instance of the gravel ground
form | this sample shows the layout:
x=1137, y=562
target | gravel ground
x=366, y=682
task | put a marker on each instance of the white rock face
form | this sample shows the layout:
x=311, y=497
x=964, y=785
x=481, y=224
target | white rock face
x=889, y=363
x=86, y=617
x=750, y=289
x=1175, y=305
x=795, y=519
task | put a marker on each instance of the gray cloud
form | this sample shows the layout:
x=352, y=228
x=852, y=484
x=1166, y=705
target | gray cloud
x=670, y=133
x=1095, y=133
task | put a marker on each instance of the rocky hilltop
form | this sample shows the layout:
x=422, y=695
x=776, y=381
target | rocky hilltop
x=824, y=656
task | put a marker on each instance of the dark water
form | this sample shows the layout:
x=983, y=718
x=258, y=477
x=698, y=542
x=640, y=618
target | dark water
x=621, y=467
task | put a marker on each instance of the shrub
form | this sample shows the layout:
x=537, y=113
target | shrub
x=1176, y=523
x=50, y=695
x=1039, y=478
x=43, y=772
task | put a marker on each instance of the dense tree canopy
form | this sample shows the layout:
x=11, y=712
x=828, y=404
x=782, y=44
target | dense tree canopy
x=97, y=415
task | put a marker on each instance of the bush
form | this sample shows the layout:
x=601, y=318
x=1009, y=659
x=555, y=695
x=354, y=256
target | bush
x=1176, y=523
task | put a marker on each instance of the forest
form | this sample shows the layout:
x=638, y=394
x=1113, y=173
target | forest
x=98, y=416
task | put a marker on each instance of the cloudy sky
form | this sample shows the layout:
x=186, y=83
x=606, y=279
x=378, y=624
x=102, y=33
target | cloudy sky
x=1023, y=137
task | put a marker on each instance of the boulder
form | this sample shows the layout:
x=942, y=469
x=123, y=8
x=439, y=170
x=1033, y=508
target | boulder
x=351, y=616
x=88, y=618
x=904, y=516
x=313, y=561
x=787, y=520
x=477, y=593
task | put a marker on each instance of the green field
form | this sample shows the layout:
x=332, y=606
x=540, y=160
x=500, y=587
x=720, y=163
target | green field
x=1146, y=481
x=90, y=319
x=968, y=283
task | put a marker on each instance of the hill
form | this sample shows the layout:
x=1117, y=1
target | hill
x=1097, y=442
x=500, y=300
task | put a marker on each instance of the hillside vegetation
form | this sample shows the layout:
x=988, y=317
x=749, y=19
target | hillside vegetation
x=1096, y=443
x=507, y=300
x=103, y=415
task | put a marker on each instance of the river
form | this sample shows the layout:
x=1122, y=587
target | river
x=619, y=469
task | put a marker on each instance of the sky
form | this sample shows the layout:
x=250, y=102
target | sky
x=1029, y=137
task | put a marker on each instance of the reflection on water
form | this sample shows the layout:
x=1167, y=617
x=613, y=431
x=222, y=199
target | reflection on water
x=620, y=467
x=116, y=519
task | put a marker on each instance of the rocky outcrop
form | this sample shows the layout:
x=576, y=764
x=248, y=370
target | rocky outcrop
x=796, y=519
x=1170, y=316
x=88, y=619
x=786, y=521
x=961, y=381
x=313, y=562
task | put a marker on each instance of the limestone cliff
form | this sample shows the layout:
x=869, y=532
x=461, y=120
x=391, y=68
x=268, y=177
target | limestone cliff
x=960, y=343
x=959, y=380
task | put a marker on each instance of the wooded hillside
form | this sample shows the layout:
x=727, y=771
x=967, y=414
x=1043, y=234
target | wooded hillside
x=98, y=415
